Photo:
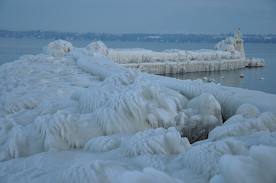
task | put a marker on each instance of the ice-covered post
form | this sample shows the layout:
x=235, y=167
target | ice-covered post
x=239, y=43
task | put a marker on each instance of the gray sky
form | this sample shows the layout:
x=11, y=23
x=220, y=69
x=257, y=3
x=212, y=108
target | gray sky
x=148, y=16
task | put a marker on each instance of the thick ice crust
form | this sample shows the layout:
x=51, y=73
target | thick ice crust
x=72, y=115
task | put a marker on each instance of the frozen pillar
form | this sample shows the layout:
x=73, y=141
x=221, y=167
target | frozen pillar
x=239, y=43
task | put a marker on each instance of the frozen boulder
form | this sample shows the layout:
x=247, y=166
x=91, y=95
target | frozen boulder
x=148, y=142
x=58, y=48
x=237, y=126
x=207, y=107
x=97, y=47
x=258, y=166
x=103, y=144
x=158, y=141
x=248, y=111
x=203, y=113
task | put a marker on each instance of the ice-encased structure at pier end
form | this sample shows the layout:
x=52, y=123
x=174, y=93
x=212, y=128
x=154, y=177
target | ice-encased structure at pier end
x=72, y=115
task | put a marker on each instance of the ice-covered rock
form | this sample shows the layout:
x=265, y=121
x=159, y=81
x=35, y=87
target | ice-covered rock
x=257, y=167
x=248, y=111
x=97, y=47
x=148, y=142
x=157, y=141
x=239, y=126
x=208, y=107
x=58, y=48
x=203, y=113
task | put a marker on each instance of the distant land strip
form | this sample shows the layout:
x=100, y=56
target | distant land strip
x=140, y=37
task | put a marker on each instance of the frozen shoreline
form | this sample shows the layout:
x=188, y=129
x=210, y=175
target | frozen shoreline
x=73, y=115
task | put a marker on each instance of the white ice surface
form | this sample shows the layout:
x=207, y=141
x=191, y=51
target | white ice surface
x=72, y=115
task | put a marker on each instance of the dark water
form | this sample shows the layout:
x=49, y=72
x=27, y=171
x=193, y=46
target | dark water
x=263, y=79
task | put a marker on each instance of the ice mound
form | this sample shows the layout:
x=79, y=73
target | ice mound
x=73, y=115
x=97, y=47
x=117, y=103
x=203, y=158
x=148, y=175
x=58, y=48
x=258, y=166
x=103, y=144
x=239, y=126
x=208, y=108
x=109, y=172
x=60, y=131
x=157, y=141
x=248, y=111
x=203, y=113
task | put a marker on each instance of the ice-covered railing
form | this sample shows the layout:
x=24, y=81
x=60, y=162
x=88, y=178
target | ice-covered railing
x=97, y=121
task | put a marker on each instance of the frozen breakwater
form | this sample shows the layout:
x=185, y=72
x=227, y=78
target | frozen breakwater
x=72, y=115
x=172, y=67
x=228, y=54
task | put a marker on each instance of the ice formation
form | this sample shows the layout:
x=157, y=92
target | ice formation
x=58, y=48
x=72, y=115
x=228, y=55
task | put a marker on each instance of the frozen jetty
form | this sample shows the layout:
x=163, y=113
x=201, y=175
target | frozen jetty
x=71, y=115
x=228, y=55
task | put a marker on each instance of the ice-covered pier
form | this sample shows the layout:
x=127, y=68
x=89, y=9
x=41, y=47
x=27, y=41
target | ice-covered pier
x=228, y=54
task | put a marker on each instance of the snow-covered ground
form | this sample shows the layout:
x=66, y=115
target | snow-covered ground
x=72, y=115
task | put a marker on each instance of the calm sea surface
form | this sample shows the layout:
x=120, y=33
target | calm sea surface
x=263, y=79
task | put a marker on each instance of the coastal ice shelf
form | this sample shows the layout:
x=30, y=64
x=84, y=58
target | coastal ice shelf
x=71, y=115
x=228, y=54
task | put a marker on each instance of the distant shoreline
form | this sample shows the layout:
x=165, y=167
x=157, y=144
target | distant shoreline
x=137, y=37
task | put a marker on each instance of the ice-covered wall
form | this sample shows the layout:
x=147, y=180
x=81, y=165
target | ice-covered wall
x=124, y=56
x=73, y=115
x=188, y=66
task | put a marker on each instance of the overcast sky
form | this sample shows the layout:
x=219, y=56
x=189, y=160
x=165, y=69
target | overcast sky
x=143, y=16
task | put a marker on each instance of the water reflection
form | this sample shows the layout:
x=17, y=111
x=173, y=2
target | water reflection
x=230, y=78
x=249, y=78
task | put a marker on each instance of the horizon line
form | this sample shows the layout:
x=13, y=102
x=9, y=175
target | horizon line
x=136, y=32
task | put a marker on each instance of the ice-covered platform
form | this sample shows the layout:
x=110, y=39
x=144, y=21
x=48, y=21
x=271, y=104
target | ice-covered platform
x=228, y=55
x=72, y=115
